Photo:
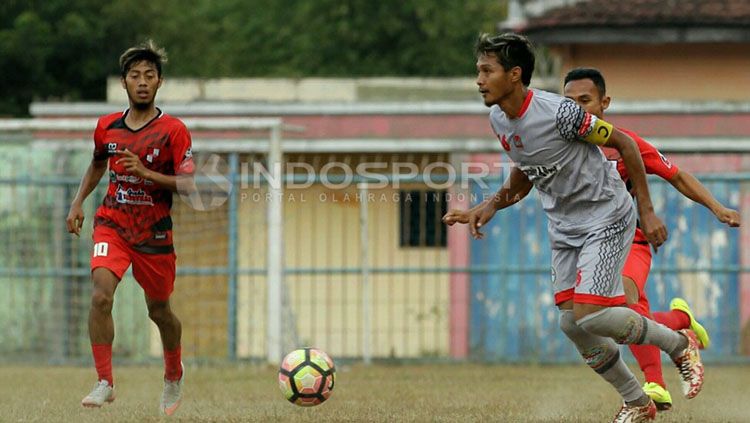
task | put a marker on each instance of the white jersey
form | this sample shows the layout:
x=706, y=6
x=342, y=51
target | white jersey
x=579, y=189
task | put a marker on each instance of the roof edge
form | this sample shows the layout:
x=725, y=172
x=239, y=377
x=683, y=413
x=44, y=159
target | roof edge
x=638, y=34
x=211, y=109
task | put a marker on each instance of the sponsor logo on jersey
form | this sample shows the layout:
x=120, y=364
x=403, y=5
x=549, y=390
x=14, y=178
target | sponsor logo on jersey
x=517, y=141
x=540, y=171
x=111, y=148
x=137, y=197
x=129, y=179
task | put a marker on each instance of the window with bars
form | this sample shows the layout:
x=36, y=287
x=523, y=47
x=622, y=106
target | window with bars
x=421, y=212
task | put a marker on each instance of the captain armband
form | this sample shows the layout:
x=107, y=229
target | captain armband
x=597, y=131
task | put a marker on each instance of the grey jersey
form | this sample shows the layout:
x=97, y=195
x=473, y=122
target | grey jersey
x=579, y=189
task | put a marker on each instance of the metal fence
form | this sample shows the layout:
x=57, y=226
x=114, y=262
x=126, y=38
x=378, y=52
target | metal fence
x=368, y=272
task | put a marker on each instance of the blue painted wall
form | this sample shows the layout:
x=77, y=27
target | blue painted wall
x=513, y=317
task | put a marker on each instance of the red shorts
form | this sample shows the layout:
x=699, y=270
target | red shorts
x=637, y=267
x=155, y=273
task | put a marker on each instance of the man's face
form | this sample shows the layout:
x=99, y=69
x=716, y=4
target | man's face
x=585, y=93
x=141, y=83
x=493, y=81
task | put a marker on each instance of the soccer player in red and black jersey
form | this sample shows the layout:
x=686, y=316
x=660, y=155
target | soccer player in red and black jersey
x=145, y=151
x=586, y=86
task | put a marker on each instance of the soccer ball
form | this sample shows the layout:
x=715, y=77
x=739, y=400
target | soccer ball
x=306, y=376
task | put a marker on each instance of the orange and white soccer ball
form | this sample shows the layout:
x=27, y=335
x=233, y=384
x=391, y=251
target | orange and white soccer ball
x=306, y=376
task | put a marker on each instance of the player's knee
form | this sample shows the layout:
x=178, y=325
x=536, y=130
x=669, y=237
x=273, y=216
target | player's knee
x=159, y=313
x=568, y=323
x=101, y=301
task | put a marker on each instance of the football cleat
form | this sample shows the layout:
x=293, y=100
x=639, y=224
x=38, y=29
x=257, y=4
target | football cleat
x=659, y=395
x=700, y=332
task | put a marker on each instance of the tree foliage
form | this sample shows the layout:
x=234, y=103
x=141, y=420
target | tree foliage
x=65, y=49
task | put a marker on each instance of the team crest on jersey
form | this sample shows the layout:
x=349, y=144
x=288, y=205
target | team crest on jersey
x=506, y=145
x=137, y=197
x=503, y=142
x=154, y=154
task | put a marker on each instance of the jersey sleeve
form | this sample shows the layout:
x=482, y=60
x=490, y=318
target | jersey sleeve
x=654, y=162
x=573, y=123
x=100, y=147
x=182, y=151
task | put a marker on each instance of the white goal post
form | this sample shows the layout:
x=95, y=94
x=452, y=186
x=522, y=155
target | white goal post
x=38, y=131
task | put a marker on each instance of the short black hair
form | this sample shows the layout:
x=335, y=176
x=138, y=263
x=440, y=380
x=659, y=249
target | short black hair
x=147, y=51
x=511, y=50
x=588, y=73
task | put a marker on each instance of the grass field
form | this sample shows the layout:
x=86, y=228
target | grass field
x=442, y=393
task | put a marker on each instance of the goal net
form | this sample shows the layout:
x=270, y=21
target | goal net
x=228, y=291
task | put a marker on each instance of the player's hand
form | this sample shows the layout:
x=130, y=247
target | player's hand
x=132, y=163
x=475, y=218
x=456, y=216
x=654, y=229
x=74, y=221
x=729, y=216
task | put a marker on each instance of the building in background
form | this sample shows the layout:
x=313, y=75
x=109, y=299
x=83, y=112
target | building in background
x=679, y=66
x=434, y=293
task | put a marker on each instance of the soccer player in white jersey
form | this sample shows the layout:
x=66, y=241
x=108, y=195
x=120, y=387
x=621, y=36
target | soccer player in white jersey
x=555, y=147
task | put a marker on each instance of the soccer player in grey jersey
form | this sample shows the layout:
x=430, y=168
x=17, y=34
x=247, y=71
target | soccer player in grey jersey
x=554, y=145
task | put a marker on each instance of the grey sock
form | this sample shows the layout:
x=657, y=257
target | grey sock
x=603, y=356
x=626, y=326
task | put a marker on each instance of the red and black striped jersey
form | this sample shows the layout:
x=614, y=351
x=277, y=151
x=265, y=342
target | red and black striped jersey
x=139, y=209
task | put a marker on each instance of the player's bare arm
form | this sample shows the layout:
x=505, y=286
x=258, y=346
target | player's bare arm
x=653, y=228
x=691, y=188
x=135, y=166
x=89, y=181
x=514, y=189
